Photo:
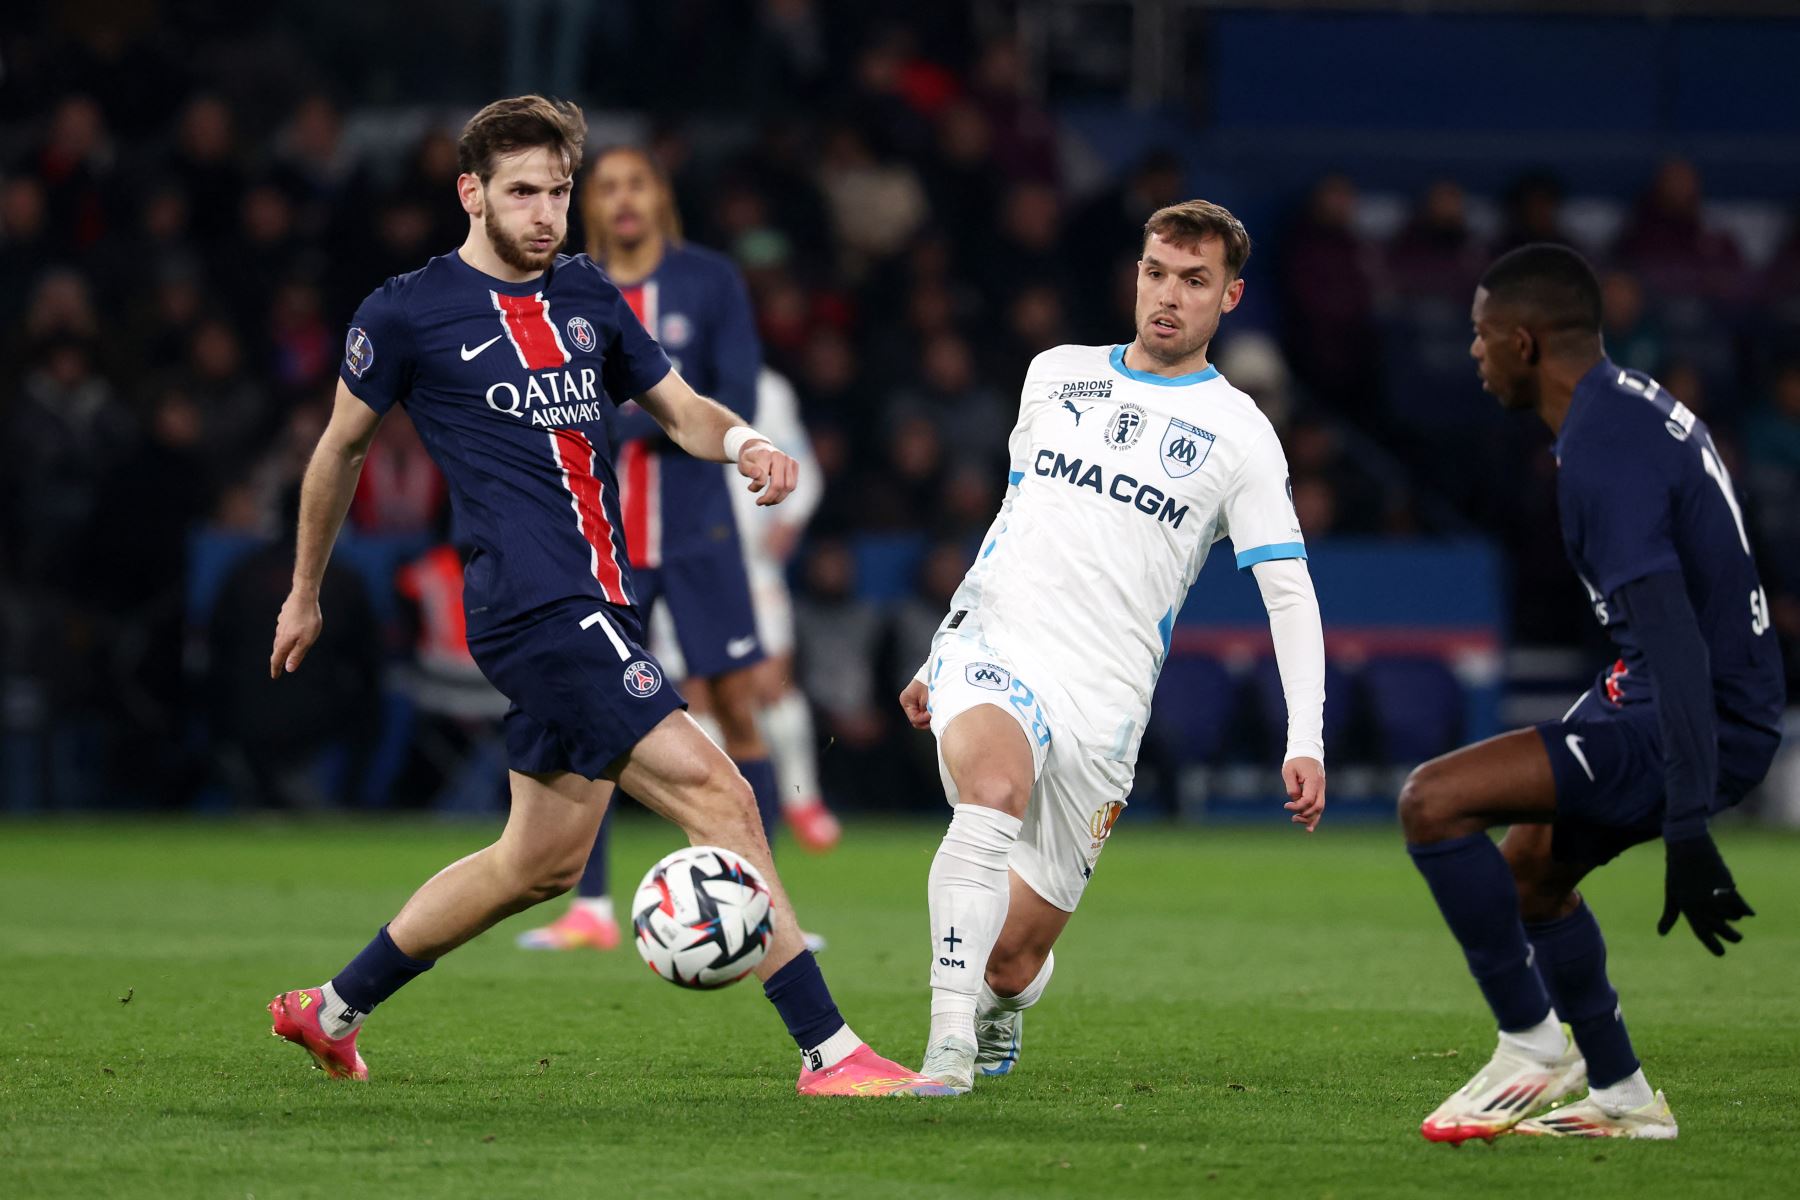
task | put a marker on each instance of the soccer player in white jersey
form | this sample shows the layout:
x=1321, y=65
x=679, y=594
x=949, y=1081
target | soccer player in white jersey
x=1128, y=463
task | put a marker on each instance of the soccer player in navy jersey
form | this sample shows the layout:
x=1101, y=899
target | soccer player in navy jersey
x=680, y=528
x=1679, y=728
x=506, y=354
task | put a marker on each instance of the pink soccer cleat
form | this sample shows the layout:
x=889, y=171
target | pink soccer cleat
x=297, y=1019
x=866, y=1073
x=576, y=929
x=814, y=827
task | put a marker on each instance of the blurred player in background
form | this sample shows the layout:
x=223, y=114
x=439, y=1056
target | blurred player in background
x=769, y=536
x=1679, y=728
x=507, y=356
x=1128, y=463
x=680, y=527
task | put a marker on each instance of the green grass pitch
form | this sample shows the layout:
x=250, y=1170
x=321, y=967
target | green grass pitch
x=1236, y=1012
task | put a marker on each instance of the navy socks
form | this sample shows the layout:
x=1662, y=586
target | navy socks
x=595, y=877
x=380, y=970
x=1475, y=892
x=799, y=994
x=1571, y=958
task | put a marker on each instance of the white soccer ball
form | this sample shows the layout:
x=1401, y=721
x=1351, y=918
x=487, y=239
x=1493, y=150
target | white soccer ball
x=701, y=917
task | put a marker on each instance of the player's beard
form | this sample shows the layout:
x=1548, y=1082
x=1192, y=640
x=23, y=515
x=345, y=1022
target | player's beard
x=1183, y=350
x=513, y=251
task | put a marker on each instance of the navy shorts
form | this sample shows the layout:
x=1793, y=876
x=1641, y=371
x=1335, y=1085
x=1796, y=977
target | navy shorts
x=708, y=595
x=1608, y=764
x=583, y=688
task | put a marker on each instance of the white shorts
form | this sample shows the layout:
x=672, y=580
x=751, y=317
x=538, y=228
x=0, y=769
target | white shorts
x=1078, y=792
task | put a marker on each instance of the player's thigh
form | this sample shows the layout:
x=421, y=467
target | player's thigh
x=992, y=731
x=553, y=818
x=1079, y=799
x=676, y=772
x=1503, y=779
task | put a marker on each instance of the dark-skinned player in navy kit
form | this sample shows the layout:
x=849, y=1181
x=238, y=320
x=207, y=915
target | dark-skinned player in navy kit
x=506, y=354
x=1679, y=728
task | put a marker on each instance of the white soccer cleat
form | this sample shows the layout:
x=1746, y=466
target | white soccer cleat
x=950, y=1061
x=998, y=1037
x=1585, y=1118
x=1509, y=1089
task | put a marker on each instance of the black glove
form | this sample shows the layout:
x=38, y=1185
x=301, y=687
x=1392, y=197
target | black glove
x=1699, y=887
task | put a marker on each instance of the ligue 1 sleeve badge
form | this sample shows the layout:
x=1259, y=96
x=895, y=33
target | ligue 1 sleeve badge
x=359, y=351
x=582, y=334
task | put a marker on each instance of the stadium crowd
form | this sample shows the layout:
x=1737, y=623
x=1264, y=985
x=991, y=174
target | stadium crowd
x=183, y=237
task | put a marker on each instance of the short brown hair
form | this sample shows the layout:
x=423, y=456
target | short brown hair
x=520, y=123
x=1193, y=221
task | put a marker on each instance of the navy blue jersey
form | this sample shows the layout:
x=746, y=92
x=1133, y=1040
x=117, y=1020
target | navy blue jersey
x=1642, y=490
x=511, y=386
x=676, y=506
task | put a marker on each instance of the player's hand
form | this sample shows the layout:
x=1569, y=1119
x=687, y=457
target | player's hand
x=1305, y=780
x=1698, y=886
x=912, y=702
x=769, y=471
x=296, y=629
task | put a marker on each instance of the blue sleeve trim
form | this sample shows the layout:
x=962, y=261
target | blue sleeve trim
x=1249, y=558
x=1014, y=478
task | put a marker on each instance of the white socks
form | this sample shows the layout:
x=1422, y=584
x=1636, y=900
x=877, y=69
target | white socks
x=1631, y=1092
x=337, y=1018
x=990, y=1001
x=968, y=889
x=832, y=1051
x=597, y=906
x=1544, y=1041
x=787, y=726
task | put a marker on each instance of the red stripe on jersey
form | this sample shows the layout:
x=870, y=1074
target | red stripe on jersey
x=641, y=299
x=526, y=320
x=637, y=504
x=575, y=459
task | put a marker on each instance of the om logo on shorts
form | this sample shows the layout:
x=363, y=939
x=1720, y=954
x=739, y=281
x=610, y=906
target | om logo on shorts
x=642, y=679
x=987, y=675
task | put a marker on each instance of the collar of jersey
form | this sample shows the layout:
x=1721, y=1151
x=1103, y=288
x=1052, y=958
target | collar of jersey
x=1596, y=376
x=1118, y=362
x=529, y=287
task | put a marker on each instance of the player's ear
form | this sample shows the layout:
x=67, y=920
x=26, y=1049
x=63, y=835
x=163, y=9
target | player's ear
x=1233, y=294
x=1529, y=350
x=470, y=191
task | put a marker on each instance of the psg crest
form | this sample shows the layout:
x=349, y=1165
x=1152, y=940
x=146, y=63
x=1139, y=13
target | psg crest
x=582, y=333
x=642, y=679
x=1184, y=449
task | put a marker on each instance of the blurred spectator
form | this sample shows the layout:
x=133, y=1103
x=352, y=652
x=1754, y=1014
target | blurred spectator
x=966, y=413
x=1633, y=338
x=1436, y=254
x=839, y=635
x=1533, y=212
x=400, y=490
x=311, y=165
x=1109, y=229
x=1669, y=244
x=25, y=249
x=1772, y=432
x=270, y=736
x=235, y=411
x=1024, y=136
x=875, y=205
x=906, y=494
x=1327, y=286
x=73, y=163
x=1029, y=248
x=206, y=164
x=961, y=178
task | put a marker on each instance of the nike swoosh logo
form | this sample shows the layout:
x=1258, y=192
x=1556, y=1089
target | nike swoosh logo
x=738, y=647
x=468, y=354
x=1573, y=742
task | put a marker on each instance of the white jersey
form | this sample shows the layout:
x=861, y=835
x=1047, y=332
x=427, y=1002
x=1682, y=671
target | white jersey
x=1120, y=483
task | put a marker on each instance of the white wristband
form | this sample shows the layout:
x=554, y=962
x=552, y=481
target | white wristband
x=739, y=436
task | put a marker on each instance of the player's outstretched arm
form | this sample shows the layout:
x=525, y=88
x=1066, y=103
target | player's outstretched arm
x=1299, y=637
x=324, y=499
x=707, y=429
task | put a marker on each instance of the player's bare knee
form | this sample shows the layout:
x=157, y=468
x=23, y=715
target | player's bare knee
x=1426, y=815
x=996, y=790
